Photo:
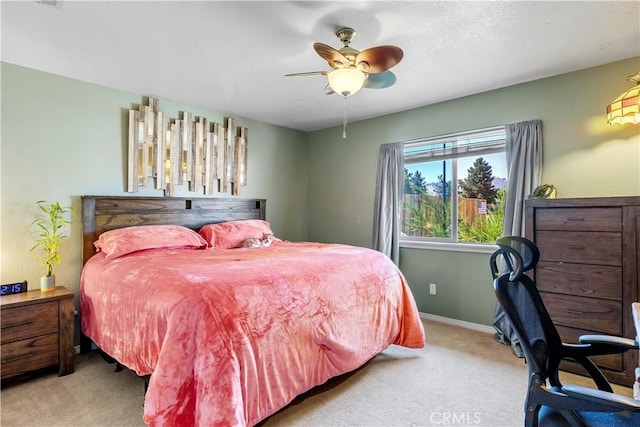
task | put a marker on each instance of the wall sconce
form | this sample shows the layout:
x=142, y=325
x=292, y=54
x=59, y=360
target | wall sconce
x=346, y=81
x=626, y=107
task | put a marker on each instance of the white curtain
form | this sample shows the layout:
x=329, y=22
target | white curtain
x=388, y=200
x=524, y=172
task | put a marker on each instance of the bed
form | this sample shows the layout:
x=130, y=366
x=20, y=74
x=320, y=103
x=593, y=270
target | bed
x=230, y=335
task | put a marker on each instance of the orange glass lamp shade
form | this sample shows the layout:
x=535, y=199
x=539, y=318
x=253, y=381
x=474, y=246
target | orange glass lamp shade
x=346, y=81
x=626, y=108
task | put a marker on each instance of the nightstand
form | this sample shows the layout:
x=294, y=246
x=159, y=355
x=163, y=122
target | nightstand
x=37, y=332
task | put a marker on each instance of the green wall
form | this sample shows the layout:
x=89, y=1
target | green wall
x=583, y=156
x=63, y=138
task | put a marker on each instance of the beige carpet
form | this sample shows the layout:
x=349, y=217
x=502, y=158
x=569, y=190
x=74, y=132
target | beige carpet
x=460, y=378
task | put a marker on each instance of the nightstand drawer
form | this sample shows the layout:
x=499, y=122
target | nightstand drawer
x=601, y=248
x=579, y=219
x=30, y=354
x=29, y=321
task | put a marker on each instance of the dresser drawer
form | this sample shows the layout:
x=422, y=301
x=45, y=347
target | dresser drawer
x=571, y=335
x=579, y=219
x=597, y=281
x=28, y=355
x=601, y=248
x=591, y=314
x=29, y=321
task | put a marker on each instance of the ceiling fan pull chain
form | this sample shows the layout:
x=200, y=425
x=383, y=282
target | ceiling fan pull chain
x=344, y=122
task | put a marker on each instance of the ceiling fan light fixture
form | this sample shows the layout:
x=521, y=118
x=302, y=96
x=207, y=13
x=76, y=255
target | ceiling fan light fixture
x=346, y=81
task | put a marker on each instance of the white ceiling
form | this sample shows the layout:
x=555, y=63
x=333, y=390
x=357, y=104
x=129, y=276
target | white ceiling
x=231, y=57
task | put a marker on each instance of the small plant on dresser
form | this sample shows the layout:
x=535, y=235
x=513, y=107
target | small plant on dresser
x=50, y=228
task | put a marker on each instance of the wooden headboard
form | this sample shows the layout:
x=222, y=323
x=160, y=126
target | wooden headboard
x=104, y=213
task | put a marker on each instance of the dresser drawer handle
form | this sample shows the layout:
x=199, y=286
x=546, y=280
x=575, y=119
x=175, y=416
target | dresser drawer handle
x=13, y=325
x=26, y=356
x=573, y=279
x=575, y=219
x=575, y=246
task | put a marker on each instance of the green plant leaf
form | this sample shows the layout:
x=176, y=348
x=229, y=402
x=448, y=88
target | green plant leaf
x=49, y=229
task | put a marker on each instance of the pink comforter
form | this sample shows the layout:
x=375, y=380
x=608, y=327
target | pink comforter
x=232, y=336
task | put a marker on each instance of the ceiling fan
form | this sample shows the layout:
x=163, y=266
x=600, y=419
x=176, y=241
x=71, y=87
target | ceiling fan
x=353, y=69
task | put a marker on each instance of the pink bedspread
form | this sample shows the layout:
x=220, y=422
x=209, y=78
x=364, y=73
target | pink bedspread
x=232, y=336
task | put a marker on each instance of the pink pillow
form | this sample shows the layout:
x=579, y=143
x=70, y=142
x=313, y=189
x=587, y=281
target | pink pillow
x=122, y=241
x=230, y=234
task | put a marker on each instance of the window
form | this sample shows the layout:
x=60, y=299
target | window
x=455, y=188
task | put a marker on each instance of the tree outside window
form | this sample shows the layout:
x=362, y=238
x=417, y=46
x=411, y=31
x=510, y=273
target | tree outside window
x=476, y=163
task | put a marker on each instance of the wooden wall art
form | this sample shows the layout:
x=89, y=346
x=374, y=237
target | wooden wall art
x=206, y=156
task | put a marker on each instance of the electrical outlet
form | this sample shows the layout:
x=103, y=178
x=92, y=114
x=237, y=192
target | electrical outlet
x=432, y=288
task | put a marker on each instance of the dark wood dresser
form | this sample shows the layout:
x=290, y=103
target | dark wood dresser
x=588, y=271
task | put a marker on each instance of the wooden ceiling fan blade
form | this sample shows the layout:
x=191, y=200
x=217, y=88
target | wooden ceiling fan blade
x=334, y=58
x=380, y=80
x=378, y=59
x=308, y=73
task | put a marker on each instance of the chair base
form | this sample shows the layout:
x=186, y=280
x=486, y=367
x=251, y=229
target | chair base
x=549, y=417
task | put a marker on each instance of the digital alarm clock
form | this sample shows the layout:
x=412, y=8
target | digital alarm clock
x=13, y=288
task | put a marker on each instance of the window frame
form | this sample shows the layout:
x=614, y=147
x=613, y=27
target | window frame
x=453, y=153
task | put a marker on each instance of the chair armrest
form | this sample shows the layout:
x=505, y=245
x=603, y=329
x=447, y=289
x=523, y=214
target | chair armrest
x=599, y=397
x=605, y=342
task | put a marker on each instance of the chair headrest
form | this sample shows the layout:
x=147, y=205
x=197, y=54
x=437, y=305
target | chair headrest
x=525, y=248
x=513, y=261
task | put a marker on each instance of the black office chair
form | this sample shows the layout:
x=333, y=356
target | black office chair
x=549, y=402
x=530, y=256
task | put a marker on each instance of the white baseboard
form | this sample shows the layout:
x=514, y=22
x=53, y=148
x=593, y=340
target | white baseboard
x=462, y=323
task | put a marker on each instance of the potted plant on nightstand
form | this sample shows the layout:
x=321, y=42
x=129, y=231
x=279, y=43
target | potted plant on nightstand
x=49, y=229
